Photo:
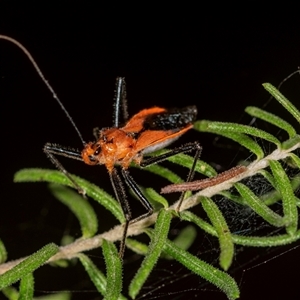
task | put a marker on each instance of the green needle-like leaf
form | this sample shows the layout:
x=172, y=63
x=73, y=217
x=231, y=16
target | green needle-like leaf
x=189, y=216
x=228, y=128
x=283, y=101
x=158, y=240
x=225, y=238
x=3, y=253
x=250, y=241
x=95, y=274
x=242, y=139
x=113, y=271
x=10, y=293
x=271, y=118
x=258, y=206
x=217, y=277
x=163, y=172
x=289, y=204
x=136, y=246
x=265, y=241
x=37, y=175
x=80, y=207
x=292, y=142
x=97, y=277
x=268, y=176
x=274, y=195
x=187, y=161
x=295, y=159
x=28, y=265
x=235, y=198
x=183, y=240
x=186, y=237
x=157, y=197
x=27, y=287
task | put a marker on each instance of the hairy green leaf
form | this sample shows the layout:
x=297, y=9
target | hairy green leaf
x=79, y=206
x=26, y=287
x=113, y=271
x=97, y=277
x=3, y=253
x=258, y=206
x=28, y=265
x=271, y=118
x=136, y=246
x=157, y=197
x=283, y=101
x=288, y=198
x=223, y=232
x=159, y=236
x=187, y=161
x=229, y=128
x=10, y=293
x=241, y=138
x=218, y=278
x=36, y=175
x=163, y=172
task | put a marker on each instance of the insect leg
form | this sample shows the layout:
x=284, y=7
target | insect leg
x=53, y=149
x=121, y=197
x=191, y=174
x=120, y=101
x=133, y=185
x=183, y=149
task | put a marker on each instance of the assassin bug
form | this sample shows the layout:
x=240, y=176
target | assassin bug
x=116, y=147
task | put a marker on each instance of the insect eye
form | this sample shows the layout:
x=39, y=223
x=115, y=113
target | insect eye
x=97, y=151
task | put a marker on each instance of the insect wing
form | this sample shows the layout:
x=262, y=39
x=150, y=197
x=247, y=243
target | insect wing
x=153, y=140
x=136, y=124
x=156, y=128
x=173, y=119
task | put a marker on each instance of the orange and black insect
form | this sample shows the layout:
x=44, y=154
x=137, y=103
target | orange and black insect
x=116, y=147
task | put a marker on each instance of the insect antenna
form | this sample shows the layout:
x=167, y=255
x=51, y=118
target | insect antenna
x=120, y=95
x=4, y=37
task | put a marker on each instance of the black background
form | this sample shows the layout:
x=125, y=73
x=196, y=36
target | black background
x=217, y=62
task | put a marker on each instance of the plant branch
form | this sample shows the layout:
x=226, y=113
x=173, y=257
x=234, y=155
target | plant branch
x=72, y=250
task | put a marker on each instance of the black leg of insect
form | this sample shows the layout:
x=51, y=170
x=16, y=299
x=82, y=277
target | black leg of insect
x=116, y=147
x=186, y=148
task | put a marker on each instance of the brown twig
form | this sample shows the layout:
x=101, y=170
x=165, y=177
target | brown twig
x=204, y=183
